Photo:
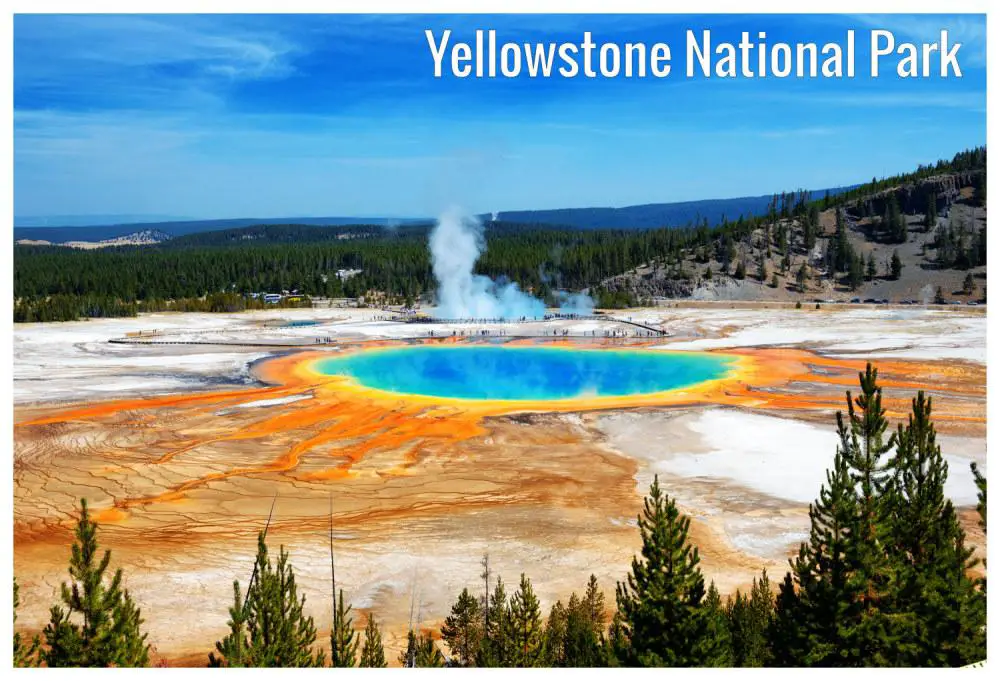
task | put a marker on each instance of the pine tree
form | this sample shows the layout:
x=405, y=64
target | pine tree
x=815, y=596
x=842, y=252
x=660, y=603
x=555, y=632
x=869, y=631
x=428, y=654
x=583, y=646
x=616, y=645
x=269, y=627
x=25, y=654
x=526, y=626
x=420, y=652
x=717, y=634
x=343, y=638
x=787, y=633
x=408, y=656
x=462, y=629
x=979, y=190
x=937, y=603
x=593, y=601
x=495, y=650
x=843, y=611
x=740, y=623
x=870, y=270
x=802, y=277
x=855, y=272
x=762, y=611
x=930, y=215
x=896, y=266
x=980, y=495
x=968, y=285
x=981, y=509
x=233, y=648
x=372, y=653
x=110, y=633
x=749, y=622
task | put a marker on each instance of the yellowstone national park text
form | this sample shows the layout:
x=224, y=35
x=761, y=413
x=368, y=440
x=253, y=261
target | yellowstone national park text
x=753, y=56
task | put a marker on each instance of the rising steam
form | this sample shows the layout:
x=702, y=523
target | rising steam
x=575, y=303
x=456, y=243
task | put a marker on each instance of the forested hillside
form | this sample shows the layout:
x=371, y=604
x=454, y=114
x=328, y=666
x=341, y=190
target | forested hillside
x=892, y=238
x=919, y=237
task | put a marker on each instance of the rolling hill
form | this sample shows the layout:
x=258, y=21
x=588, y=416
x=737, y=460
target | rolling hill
x=646, y=216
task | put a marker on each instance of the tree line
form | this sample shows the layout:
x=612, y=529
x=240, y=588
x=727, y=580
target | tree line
x=54, y=283
x=884, y=579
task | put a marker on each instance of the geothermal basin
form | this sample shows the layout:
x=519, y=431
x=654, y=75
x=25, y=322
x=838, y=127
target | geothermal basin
x=533, y=443
x=496, y=372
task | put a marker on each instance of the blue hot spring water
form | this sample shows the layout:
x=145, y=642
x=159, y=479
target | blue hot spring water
x=484, y=372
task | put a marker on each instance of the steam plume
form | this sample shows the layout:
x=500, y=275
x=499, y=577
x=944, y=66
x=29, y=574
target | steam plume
x=575, y=303
x=456, y=243
x=927, y=294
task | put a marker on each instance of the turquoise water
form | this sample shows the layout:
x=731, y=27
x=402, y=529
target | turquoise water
x=483, y=372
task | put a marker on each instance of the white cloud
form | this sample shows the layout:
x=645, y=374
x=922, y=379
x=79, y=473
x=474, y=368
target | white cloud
x=970, y=30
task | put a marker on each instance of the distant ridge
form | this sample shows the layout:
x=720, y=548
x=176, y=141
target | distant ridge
x=64, y=233
x=92, y=220
x=646, y=216
x=652, y=215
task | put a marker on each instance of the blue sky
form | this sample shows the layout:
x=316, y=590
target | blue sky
x=212, y=116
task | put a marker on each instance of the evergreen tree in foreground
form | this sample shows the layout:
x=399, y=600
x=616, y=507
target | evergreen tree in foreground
x=372, y=653
x=815, y=596
x=749, y=621
x=495, y=649
x=421, y=652
x=582, y=644
x=233, y=648
x=870, y=631
x=663, y=623
x=883, y=579
x=100, y=625
x=462, y=629
x=981, y=495
x=574, y=633
x=526, y=627
x=718, y=634
x=343, y=638
x=25, y=655
x=943, y=611
x=840, y=614
x=555, y=633
x=269, y=629
x=981, y=509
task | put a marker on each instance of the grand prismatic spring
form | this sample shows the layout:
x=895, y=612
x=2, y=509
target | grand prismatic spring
x=495, y=372
x=533, y=442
